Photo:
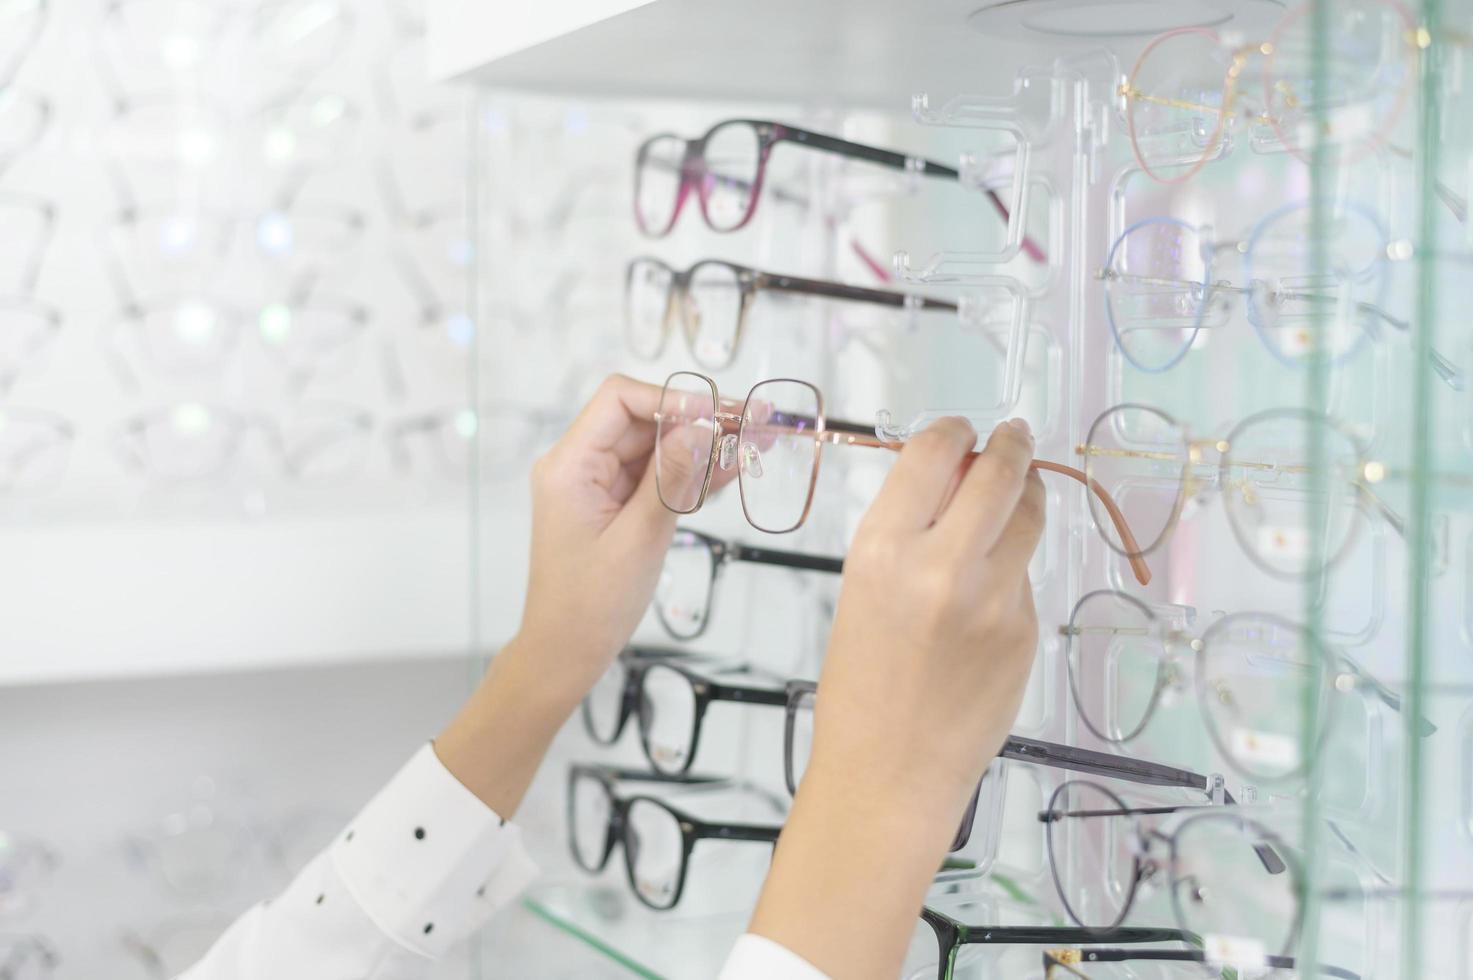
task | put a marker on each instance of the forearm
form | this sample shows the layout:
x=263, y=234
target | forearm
x=497, y=741
x=850, y=874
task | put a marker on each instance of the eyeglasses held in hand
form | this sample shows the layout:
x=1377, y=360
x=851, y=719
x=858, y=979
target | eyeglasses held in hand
x=1104, y=855
x=802, y=696
x=1252, y=674
x=710, y=301
x=35, y=447
x=686, y=593
x=1264, y=474
x=1160, y=293
x=1060, y=963
x=725, y=170
x=773, y=447
x=666, y=692
x=657, y=838
x=1187, y=91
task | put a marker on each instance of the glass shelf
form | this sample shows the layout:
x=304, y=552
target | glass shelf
x=657, y=945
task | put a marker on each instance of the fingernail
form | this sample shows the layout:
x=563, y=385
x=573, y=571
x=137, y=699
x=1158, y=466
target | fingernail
x=1022, y=426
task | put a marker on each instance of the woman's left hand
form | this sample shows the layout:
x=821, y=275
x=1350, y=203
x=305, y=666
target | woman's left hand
x=599, y=539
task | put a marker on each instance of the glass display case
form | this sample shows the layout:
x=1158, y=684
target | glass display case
x=1213, y=256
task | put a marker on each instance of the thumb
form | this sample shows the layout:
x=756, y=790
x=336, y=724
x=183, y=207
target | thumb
x=643, y=518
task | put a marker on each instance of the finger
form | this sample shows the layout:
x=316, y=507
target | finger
x=1020, y=536
x=643, y=516
x=620, y=403
x=985, y=499
x=636, y=442
x=918, y=486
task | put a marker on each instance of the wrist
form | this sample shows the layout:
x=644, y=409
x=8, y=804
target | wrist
x=496, y=742
x=850, y=874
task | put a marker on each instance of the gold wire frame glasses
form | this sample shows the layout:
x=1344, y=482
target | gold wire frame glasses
x=1178, y=105
x=1286, y=521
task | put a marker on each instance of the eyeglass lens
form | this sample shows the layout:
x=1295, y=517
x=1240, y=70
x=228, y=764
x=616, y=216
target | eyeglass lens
x=685, y=440
x=684, y=592
x=654, y=849
x=667, y=717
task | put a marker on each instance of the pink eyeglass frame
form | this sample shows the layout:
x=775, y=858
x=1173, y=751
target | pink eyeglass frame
x=840, y=432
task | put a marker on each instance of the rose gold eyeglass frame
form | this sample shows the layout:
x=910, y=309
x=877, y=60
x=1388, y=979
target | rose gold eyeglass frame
x=842, y=433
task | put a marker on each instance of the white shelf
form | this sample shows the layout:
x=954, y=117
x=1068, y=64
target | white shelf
x=859, y=52
x=95, y=600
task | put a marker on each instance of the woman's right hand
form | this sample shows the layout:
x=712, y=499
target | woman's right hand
x=929, y=655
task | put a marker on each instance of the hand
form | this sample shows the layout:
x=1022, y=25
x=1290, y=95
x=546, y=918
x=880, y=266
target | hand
x=930, y=652
x=599, y=534
x=599, y=539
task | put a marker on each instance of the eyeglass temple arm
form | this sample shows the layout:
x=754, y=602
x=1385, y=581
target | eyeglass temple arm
x=1441, y=366
x=1061, y=959
x=739, y=831
x=1070, y=935
x=1388, y=697
x=1099, y=763
x=896, y=161
x=747, y=695
x=857, y=294
x=1094, y=955
x=645, y=775
x=854, y=434
x=786, y=559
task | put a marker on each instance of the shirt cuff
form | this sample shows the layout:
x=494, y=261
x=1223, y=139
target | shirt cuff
x=759, y=958
x=429, y=862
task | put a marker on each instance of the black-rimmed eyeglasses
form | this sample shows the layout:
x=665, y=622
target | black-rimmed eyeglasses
x=685, y=595
x=657, y=838
x=669, y=693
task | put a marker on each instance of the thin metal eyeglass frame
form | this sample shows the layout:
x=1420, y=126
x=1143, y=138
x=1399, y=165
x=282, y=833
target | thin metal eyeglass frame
x=1131, y=92
x=1189, y=485
x=1324, y=659
x=1273, y=855
x=838, y=432
x=1209, y=288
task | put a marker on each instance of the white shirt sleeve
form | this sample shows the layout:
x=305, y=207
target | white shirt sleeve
x=759, y=958
x=423, y=865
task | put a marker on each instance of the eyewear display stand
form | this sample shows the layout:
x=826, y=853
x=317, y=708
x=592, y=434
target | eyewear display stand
x=1247, y=343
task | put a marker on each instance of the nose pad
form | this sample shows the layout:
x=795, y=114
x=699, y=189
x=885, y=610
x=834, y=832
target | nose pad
x=751, y=460
x=728, y=454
